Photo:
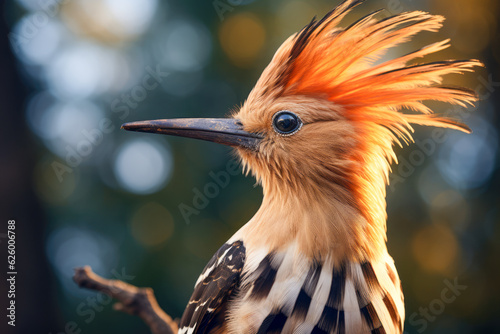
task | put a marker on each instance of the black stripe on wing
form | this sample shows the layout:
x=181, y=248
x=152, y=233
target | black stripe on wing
x=306, y=292
x=332, y=318
x=221, y=276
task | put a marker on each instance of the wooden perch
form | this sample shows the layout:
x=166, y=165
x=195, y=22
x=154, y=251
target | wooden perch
x=131, y=300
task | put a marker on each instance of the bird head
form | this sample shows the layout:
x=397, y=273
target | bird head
x=322, y=119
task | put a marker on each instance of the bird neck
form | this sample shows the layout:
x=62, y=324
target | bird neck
x=324, y=223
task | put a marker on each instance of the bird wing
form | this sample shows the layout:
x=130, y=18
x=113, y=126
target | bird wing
x=207, y=307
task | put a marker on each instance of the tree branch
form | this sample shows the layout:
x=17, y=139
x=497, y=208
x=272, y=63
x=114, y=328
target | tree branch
x=132, y=300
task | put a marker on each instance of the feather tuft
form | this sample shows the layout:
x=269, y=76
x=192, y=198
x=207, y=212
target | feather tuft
x=325, y=60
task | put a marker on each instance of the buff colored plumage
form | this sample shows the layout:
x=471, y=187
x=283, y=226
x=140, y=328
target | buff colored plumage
x=317, y=132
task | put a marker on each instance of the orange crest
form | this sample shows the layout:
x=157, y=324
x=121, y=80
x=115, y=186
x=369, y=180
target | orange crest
x=338, y=63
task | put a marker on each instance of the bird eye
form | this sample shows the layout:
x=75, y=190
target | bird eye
x=286, y=123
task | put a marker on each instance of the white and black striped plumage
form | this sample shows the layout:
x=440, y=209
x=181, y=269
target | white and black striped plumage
x=253, y=291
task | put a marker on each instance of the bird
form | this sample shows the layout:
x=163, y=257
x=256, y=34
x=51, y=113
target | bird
x=318, y=132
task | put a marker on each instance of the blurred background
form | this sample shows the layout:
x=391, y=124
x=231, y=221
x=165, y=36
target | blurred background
x=146, y=209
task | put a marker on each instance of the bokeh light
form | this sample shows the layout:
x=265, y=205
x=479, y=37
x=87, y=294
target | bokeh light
x=467, y=162
x=242, y=38
x=143, y=166
x=67, y=246
x=67, y=128
x=133, y=16
x=109, y=20
x=85, y=69
x=41, y=47
x=184, y=45
x=436, y=249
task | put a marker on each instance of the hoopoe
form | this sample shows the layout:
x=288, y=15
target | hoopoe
x=317, y=132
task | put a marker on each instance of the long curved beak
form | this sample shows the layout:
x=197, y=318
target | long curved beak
x=227, y=131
